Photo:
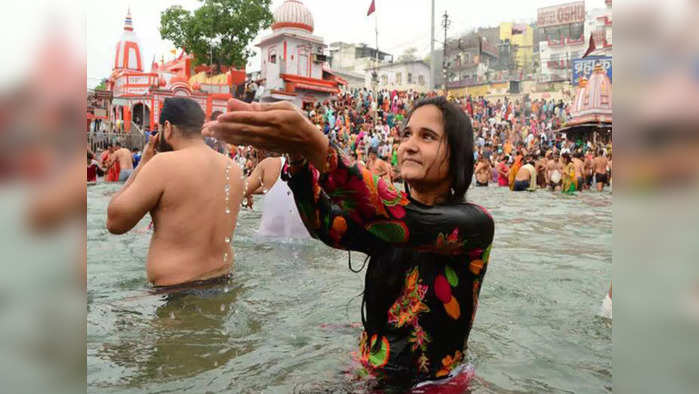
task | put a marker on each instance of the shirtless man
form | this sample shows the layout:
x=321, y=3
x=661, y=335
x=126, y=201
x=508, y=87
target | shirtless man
x=483, y=171
x=589, y=169
x=554, y=171
x=123, y=156
x=579, y=169
x=193, y=195
x=379, y=167
x=526, y=176
x=600, y=165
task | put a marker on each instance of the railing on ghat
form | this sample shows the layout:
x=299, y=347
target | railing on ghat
x=98, y=141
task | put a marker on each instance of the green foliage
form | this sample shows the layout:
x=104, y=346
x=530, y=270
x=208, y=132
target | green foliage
x=102, y=85
x=408, y=55
x=219, y=31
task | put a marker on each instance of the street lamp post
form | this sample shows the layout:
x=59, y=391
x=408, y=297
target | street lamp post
x=445, y=24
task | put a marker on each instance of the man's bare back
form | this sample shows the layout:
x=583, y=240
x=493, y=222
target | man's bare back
x=123, y=155
x=192, y=231
x=600, y=164
x=579, y=167
x=193, y=194
x=524, y=174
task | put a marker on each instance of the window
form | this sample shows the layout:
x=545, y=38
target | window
x=303, y=63
x=421, y=79
x=410, y=78
x=399, y=77
x=384, y=79
x=577, y=31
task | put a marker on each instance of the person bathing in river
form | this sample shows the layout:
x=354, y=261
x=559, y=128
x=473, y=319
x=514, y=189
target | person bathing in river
x=503, y=171
x=600, y=166
x=193, y=195
x=526, y=176
x=280, y=217
x=577, y=160
x=428, y=248
x=379, y=167
x=569, y=179
x=482, y=171
x=554, y=169
x=125, y=159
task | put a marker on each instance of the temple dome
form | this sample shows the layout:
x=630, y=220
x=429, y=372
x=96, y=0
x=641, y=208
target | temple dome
x=593, y=99
x=293, y=14
x=128, y=51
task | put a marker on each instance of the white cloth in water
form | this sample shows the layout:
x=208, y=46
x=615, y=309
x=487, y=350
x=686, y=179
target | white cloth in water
x=606, y=309
x=555, y=176
x=280, y=217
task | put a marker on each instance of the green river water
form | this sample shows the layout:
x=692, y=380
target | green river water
x=289, y=320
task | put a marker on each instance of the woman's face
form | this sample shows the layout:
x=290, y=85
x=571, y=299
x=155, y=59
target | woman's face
x=423, y=154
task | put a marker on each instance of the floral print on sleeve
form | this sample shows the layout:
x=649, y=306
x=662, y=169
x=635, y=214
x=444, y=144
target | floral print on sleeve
x=346, y=198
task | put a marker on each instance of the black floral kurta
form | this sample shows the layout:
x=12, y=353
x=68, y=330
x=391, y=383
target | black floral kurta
x=442, y=249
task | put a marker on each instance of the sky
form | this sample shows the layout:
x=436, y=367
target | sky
x=401, y=24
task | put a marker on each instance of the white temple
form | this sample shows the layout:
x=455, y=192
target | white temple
x=293, y=59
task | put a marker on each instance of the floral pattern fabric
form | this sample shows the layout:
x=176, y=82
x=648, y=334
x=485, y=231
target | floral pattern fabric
x=447, y=249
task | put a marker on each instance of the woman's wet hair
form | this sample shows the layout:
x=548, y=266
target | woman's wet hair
x=459, y=138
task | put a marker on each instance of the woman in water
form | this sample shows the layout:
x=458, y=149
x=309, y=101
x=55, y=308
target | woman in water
x=428, y=247
x=280, y=218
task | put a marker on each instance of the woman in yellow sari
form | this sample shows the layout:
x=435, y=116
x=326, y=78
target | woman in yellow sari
x=569, y=181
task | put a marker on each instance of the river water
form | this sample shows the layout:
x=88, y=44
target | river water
x=289, y=320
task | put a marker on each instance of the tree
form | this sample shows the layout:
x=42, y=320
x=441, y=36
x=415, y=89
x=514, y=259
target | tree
x=408, y=55
x=102, y=85
x=219, y=31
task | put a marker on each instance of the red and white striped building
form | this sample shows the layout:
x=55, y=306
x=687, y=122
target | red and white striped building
x=137, y=95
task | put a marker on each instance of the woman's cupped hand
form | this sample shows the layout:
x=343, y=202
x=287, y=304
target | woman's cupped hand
x=277, y=127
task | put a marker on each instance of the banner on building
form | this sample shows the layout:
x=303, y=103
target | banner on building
x=561, y=14
x=584, y=67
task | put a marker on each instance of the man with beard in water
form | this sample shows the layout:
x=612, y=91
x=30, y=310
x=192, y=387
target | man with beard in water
x=193, y=195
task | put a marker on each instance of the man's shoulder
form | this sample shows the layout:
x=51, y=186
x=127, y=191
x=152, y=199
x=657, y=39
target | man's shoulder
x=162, y=160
